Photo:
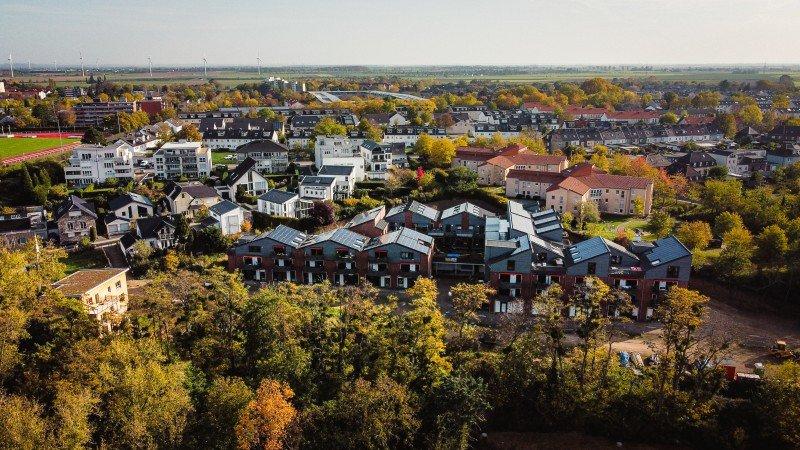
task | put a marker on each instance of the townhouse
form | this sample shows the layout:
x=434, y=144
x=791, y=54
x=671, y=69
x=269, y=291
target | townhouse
x=632, y=135
x=270, y=257
x=233, y=133
x=370, y=223
x=462, y=220
x=225, y=215
x=413, y=215
x=396, y=259
x=182, y=159
x=742, y=163
x=90, y=163
x=276, y=202
x=409, y=135
x=337, y=256
x=505, y=130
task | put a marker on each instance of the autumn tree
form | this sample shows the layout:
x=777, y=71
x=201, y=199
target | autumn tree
x=727, y=221
x=442, y=152
x=328, y=126
x=467, y=299
x=424, y=330
x=735, y=259
x=680, y=313
x=751, y=115
x=772, y=244
x=660, y=223
x=265, y=420
x=694, y=235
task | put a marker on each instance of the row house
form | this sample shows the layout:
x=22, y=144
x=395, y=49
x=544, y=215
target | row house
x=632, y=135
x=270, y=156
x=613, y=194
x=474, y=157
x=463, y=220
x=392, y=260
x=413, y=215
x=505, y=130
x=370, y=223
x=694, y=166
x=408, y=136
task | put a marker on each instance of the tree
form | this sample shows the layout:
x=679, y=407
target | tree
x=467, y=298
x=265, y=420
x=93, y=136
x=751, y=115
x=719, y=196
x=669, y=118
x=461, y=181
x=21, y=424
x=780, y=101
x=706, y=99
x=445, y=120
x=457, y=408
x=442, y=152
x=718, y=172
x=209, y=239
x=727, y=123
x=423, y=145
x=660, y=223
x=694, y=235
x=328, y=126
x=587, y=213
x=190, y=133
x=772, y=244
x=725, y=222
x=425, y=330
x=736, y=256
x=680, y=314
x=322, y=214
x=638, y=206
x=28, y=192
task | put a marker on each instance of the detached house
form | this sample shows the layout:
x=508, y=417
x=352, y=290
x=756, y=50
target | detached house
x=21, y=224
x=245, y=177
x=227, y=216
x=104, y=292
x=276, y=202
x=131, y=206
x=270, y=156
x=74, y=217
x=188, y=197
x=694, y=166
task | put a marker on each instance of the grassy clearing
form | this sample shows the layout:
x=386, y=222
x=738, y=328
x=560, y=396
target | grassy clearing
x=84, y=259
x=608, y=227
x=10, y=147
x=218, y=157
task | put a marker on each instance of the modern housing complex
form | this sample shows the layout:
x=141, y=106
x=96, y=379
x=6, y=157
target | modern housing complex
x=96, y=163
x=182, y=159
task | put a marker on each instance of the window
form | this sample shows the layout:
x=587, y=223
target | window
x=254, y=249
x=511, y=264
x=406, y=255
x=316, y=251
x=591, y=268
x=673, y=271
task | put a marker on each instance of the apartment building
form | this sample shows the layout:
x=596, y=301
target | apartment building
x=96, y=163
x=494, y=171
x=413, y=215
x=182, y=159
x=276, y=202
x=463, y=220
x=408, y=135
x=270, y=156
x=93, y=114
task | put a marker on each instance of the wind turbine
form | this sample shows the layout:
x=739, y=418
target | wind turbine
x=258, y=60
x=80, y=55
x=55, y=66
x=11, y=64
x=150, y=64
x=205, y=70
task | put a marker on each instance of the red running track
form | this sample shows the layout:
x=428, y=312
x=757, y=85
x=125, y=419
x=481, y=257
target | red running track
x=48, y=134
x=39, y=154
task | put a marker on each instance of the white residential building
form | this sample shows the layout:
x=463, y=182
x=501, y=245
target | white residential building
x=346, y=178
x=182, y=158
x=317, y=187
x=96, y=164
x=332, y=147
x=270, y=156
x=228, y=216
x=278, y=203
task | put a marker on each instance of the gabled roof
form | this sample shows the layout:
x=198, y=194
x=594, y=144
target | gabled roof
x=77, y=202
x=535, y=176
x=585, y=250
x=194, y=189
x=467, y=207
x=664, y=250
x=318, y=181
x=367, y=216
x=408, y=238
x=261, y=146
x=277, y=196
x=241, y=170
x=608, y=181
x=571, y=184
x=125, y=199
x=337, y=170
x=223, y=207
x=287, y=235
x=341, y=236
x=415, y=207
x=80, y=282
x=148, y=227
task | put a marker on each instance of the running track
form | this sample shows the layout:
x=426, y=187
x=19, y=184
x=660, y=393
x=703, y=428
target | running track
x=39, y=154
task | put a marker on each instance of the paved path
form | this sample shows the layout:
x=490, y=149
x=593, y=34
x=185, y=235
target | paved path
x=40, y=154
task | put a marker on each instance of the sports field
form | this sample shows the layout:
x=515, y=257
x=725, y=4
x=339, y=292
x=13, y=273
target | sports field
x=10, y=147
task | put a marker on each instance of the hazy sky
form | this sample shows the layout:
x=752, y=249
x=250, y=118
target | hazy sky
x=402, y=32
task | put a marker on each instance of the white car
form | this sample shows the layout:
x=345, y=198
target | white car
x=230, y=156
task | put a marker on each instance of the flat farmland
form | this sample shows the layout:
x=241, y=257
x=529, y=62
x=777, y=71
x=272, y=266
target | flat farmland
x=10, y=147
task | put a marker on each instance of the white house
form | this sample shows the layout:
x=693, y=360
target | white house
x=131, y=206
x=95, y=164
x=245, y=176
x=409, y=135
x=317, y=187
x=182, y=158
x=270, y=156
x=346, y=178
x=328, y=147
x=229, y=217
x=278, y=203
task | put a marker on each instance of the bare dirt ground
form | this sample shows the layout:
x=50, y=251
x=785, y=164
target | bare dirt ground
x=572, y=440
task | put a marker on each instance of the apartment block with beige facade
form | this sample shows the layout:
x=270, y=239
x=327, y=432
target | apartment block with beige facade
x=613, y=194
x=104, y=292
x=495, y=170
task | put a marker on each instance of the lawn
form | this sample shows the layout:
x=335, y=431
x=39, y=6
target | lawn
x=607, y=227
x=84, y=259
x=218, y=157
x=10, y=147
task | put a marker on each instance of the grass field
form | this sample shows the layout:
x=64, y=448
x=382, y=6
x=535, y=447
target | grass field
x=218, y=157
x=233, y=77
x=607, y=228
x=10, y=147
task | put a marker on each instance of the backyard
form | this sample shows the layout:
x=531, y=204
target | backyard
x=609, y=225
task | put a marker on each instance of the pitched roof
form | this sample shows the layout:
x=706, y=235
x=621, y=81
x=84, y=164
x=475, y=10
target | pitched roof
x=571, y=184
x=411, y=239
x=337, y=170
x=287, y=235
x=125, y=199
x=467, y=207
x=664, y=250
x=262, y=146
x=535, y=175
x=241, y=170
x=194, y=189
x=584, y=250
x=277, y=196
x=84, y=206
x=148, y=227
x=223, y=207
x=367, y=216
x=341, y=236
x=318, y=181
x=536, y=159
x=415, y=207
x=81, y=281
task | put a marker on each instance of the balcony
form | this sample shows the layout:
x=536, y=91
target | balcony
x=625, y=271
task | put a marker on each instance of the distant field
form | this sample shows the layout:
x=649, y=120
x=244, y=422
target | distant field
x=19, y=146
x=232, y=77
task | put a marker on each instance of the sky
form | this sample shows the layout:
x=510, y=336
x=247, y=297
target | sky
x=401, y=32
